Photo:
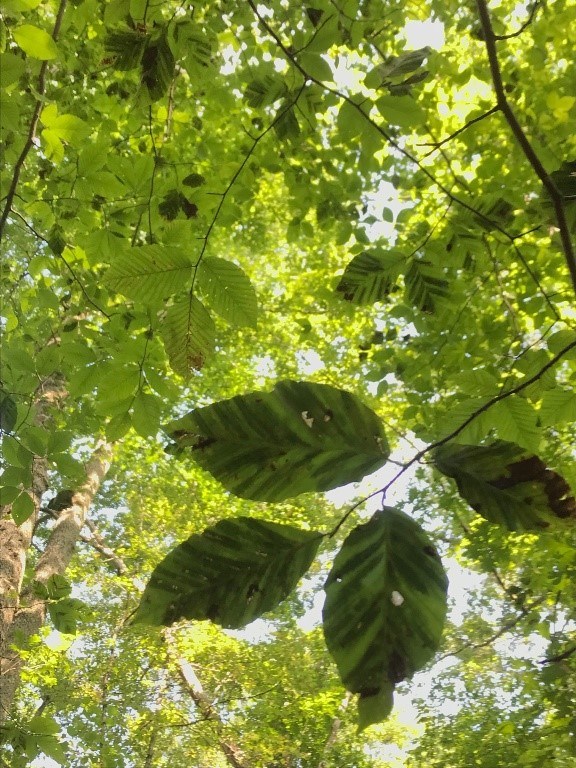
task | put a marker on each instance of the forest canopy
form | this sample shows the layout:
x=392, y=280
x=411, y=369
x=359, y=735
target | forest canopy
x=287, y=386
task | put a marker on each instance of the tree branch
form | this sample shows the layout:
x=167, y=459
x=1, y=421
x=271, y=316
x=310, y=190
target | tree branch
x=29, y=143
x=522, y=140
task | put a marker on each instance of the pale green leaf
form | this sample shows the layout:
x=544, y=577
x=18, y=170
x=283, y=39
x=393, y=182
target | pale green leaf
x=275, y=445
x=35, y=42
x=385, y=608
x=228, y=291
x=149, y=273
x=231, y=573
x=558, y=406
x=401, y=110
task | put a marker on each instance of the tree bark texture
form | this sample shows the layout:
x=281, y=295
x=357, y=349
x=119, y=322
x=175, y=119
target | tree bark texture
x=22, y=613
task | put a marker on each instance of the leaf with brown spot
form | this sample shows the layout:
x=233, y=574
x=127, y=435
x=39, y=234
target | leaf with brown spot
x=507, y=484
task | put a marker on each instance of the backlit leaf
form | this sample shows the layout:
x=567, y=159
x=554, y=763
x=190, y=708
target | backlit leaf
x=385, y=608
x=231, y=573
x=370, y=276
x=275, y=445
x=188, y=334
x=228, y=291
x=35, y=42
x=149, y=273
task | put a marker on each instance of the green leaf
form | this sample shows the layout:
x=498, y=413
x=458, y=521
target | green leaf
x=127, y=46
x=264, y=91
x=316, y=66
x=228, y=291
x=8, y=493
x=426, y=286
x=22, y=508
x=286, y=123
x=65, y=614
x=158, y=66
x=58, y=587
x=385, y=608
x=407, y=62
x=350, y=121
x=401, y=110
x=66, y=128
x=146, y=414
x=506, y=484
x=11, y=68
x=558, y=406
x=231, y=573
x=275, y=445
x=149, y=273
x=188, y=333
x=8, y=412
x=35, y=42
x=46, y=726
x=370, y=276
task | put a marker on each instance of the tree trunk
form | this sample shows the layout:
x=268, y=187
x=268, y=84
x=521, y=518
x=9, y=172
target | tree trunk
x=22, y=613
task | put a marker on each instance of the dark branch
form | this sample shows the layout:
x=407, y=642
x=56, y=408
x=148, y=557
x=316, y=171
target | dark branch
x=524, y=26
x=522, y=140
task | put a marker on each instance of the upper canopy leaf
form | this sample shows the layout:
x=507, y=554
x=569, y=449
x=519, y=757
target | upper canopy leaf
x=271, y=446
x=507, y=484
x=385, y=608
x=231, y=573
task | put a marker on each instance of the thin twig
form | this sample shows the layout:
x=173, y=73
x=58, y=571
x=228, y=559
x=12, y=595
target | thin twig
x=506, y=627
x=524, y=26
x=29, y=143
x=522, y=140
x=437, y=144
x=442, y=441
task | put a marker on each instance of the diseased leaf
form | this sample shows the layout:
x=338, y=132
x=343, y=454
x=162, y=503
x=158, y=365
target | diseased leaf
x=149, y=273
x=188, y=334
x=228, y=291
x=370, y=276
x=231, y=573
x=385, y=608
x=275, y=445
x=507, y=484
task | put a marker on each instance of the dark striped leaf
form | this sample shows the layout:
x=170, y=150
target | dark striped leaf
x=370, y=276
x=385, y=608
x=231, y=573
x=507, y=484
x=426, y=286
x=270, y=446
